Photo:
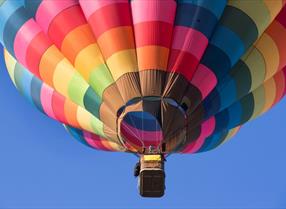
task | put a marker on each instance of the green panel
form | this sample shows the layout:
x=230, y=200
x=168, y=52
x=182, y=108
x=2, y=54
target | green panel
x=1, y=2
x=259, y=101
x=92, y=102
x=245, y=28
x=256, y=10
x=241, y=74
x=11, y=72
x=76, y=89
x=97, y=126
x=18, y=73
x=247, y=104
x=100, y=79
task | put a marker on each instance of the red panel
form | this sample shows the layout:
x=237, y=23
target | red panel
x=153, y=33
x=284, y=71
x=282, y=16
x=65, y=22
x=108, y=17
x=94, y=141
x=280, y=86
x=183, y=62
x=35, y=51
x=58, y=105
x=131, y=139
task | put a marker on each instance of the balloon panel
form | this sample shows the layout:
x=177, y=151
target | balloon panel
x=181, y=76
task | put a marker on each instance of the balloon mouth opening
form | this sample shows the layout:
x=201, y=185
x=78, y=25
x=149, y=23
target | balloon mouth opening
x=182, y=107
x=141, y=129
x=141, y=121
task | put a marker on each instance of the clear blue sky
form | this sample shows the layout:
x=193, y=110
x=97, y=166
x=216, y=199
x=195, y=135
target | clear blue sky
x=41, y=166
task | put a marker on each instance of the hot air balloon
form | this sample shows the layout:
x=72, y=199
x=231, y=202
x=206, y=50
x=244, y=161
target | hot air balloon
x=148, y=77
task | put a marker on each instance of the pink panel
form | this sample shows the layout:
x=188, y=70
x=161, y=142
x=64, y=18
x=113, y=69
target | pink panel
x=93, y=140
x=204, y=79
x=130, y=137
x=88, y=138
x=90, y=6
x=49, y=9
x=207, y=129
x=23, y=39
x=149, y=137
x=189, y=40
x=46, y=100
x=156, y=10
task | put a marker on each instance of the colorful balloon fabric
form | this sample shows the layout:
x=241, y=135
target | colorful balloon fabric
x=175, y=76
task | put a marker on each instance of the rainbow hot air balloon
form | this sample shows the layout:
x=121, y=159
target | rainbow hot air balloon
x=150, y=77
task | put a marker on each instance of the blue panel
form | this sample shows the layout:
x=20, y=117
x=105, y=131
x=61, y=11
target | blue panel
x=221, y=97
x=227, y=93
x=234, y=114
x=36, y=87
x=6, y=10
x=229, y=42
x=142, y=121
x=77, y=134
x=32, y=6
x=211, y=104
x=216, y=60
x=14, y=23
x=222, y=121
x=213, y=141
x=196, y=17
x=214, y=6
x=23, y=81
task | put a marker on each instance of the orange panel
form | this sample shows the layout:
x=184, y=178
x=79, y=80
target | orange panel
x=115, y=40
x=77, y=40
x=152, y=57
x=48, y=64
x=278, y=34
x=280, y=86
x=71, y=113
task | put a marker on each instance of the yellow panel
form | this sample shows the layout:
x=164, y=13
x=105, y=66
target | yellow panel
x=230, y=134
x=10, y=64
x=97, y=126
x=152, y=158
x=115, y=40
x=112, y=145
x=87, y=60
x=274, y=6
x=256, y=65
x=83, y=118
x=270, y=52
x=48, y=63
x=76, y=40
x=122, y=62
x=63, y=74
x=270, y=94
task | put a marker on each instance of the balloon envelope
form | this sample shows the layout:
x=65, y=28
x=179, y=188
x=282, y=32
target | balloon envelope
x=174, y=76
